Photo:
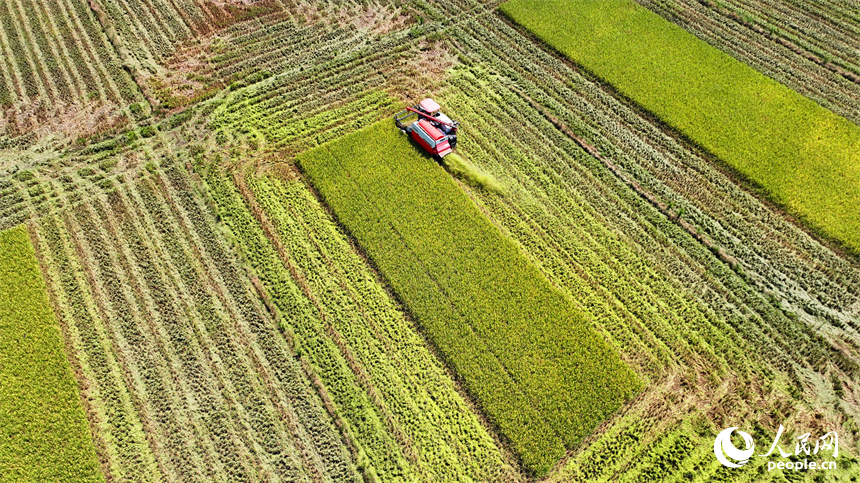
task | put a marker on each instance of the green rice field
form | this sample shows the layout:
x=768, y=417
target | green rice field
x=527, y=354
x=221, y=261
x=804, y=156
x=44, y=434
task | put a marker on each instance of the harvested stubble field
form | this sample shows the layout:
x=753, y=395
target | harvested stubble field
x=223, y=322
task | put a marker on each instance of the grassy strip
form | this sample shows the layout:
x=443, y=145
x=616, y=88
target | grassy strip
x=529, y=357
x=43, y=430
x=804, y=156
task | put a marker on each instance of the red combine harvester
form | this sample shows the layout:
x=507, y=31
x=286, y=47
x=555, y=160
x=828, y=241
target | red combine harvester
x=434, y=131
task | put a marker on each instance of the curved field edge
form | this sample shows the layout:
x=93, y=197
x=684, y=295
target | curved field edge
x=804, y=156
x=535, y=365
x=43, y=429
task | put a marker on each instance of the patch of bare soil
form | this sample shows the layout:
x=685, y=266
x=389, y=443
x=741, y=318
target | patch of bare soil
x=64, y=120
x=425, y=69
x=184, y=79
x=223, y=13
x=373, y=18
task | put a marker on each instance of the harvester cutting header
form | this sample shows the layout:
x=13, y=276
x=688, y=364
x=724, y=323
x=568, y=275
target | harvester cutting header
x=434, y=131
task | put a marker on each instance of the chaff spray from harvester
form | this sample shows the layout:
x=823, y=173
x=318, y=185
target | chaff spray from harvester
x=463, y=169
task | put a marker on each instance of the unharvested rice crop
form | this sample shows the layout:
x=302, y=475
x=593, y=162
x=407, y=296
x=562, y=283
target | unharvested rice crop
x=223, y=323
x=806, y=157
x=527, y=355
x=43, y=429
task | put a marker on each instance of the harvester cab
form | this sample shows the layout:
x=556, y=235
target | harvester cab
x=434, y=131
